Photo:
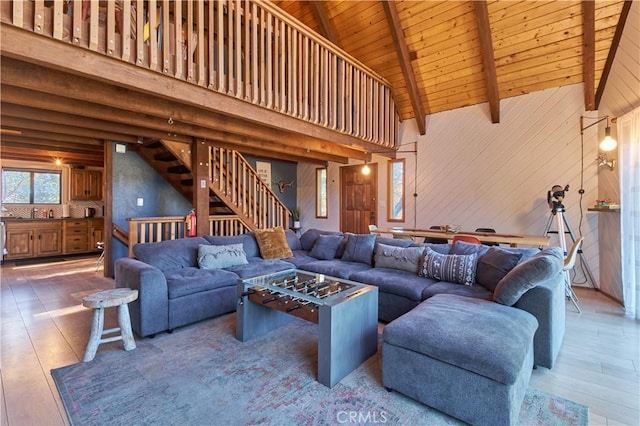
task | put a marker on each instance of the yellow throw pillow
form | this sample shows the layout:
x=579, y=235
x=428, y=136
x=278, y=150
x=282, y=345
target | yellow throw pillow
x=273, y=243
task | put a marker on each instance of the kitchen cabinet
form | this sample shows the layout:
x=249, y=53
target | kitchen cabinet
x=86, y=185
x=76, y=235
x=33, y=239
x=96, y=232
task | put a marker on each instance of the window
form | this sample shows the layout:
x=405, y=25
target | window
x=24, y=186
x=396, y=191
x=321, y=193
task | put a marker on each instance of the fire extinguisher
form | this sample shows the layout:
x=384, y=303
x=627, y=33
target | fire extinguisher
x=190, y=224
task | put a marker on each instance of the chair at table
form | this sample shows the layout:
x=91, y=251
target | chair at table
x=569, y=263
x=466, y=238
x=488, y=231
x=436, y=240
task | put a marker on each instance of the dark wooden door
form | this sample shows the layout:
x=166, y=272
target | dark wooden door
x=358, y=199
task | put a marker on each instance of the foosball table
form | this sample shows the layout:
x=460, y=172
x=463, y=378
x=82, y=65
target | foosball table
x=346, y=313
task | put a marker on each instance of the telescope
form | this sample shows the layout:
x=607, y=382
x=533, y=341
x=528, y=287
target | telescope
x=555, y=197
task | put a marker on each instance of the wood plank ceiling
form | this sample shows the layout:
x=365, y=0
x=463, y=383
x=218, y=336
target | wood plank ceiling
x=438, y=56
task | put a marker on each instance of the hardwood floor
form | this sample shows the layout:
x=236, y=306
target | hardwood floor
x=44, y=326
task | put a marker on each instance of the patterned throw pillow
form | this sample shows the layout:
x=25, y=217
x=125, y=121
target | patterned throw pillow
x=456, y=268
x=219, y=257
x=273, y=243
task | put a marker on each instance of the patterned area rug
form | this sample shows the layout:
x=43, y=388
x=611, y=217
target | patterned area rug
x=201, y=375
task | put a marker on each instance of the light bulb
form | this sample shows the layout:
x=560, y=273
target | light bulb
x=365, y=169
x=608, y=143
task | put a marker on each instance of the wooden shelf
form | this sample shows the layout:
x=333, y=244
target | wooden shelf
x=593, y=209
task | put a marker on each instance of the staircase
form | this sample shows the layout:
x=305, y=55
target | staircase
x=234, y=188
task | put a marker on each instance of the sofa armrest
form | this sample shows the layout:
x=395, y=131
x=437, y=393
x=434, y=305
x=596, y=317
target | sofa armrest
x=150, y=312
x=546, y=302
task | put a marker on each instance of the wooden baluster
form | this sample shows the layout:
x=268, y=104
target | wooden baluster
x=179, y=42
x=356, y=101
x=77, y=19
x=283, y=67
x=276, y=63
x=111, y=28
x=218, y=51
x=18, y=13
x=289, y=70
x=306, y=73
x=254, y=51
x=153, y=35
x=269, y=41
x=237, y=8
x=58, y=19
x=200, y=44
x=140, y=32
x=334, y=92
x=247, y=49
x=294, y=72
x=262, y=57
x=126, y=31
x=342, y=95
x=94, y=26
x=166, y=46
x=316, y=83
x=190, y=46
x=229, y=55
x=38, y=16
x=374, y=112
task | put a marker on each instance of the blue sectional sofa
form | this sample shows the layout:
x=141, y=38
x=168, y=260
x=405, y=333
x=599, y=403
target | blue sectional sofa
x=174, y=290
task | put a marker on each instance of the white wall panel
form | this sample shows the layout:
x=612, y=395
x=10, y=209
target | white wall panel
x=478, y=174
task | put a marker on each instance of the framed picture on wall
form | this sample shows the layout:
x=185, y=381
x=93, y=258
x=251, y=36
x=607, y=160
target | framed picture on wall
x=264, y=171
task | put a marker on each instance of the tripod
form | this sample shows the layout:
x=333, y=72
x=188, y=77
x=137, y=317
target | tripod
x=558, y=212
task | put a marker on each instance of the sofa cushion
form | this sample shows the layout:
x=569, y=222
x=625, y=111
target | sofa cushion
x=292, y=240
x=326, y=246
x=248, y=241
x=273, y=243
x=335, y=267
x=186, y=281
x=309, y=237
x=526, y=275
x=170, y=254
x=454, y=268
x=402, y=258
x=444, y=287
x=394, y=281
x=494, y=265
x=480, y=336
x=463, y=247
x=395, y=242
x=219, y=257
x=300, y=257
x=359, y=248
x=258, y=266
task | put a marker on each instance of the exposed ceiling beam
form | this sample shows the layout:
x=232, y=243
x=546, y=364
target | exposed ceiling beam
x=321, y=17
x=400, y=43
x=13, y=150
x=47, y=143
x=612, y=51
x=589, y=53
x=488, y=61
x=63, y=129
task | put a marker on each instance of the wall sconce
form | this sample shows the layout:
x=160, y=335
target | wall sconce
x=608, y=143
x=366, y=169
x=603, y=161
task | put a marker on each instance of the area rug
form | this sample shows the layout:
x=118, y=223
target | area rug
x=202, y=375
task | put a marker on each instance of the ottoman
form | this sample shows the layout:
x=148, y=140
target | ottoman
x=469, y=358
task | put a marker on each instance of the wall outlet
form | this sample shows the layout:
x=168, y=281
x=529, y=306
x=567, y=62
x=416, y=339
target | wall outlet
x=140, y=202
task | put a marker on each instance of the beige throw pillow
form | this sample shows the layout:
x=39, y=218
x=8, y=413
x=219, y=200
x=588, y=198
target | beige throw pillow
x=273, y=243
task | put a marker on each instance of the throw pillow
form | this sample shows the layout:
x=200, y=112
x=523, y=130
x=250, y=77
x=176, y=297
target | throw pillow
x=326, y=246
x=273, y=243
x=402, y=258
x=219, y=257
x=455, y=268
x=494, y=265
x=528, y=274
x=463, y=247
x=359, y=248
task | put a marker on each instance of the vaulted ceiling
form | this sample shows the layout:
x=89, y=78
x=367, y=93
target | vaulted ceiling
x=437, y=56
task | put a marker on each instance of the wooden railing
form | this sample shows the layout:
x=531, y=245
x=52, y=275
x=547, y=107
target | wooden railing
x=154, y=229
x=248, y=49
x=239, y=186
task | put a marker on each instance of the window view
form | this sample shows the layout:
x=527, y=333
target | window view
x=321, y=193
x=396, y=191
x=22, y=186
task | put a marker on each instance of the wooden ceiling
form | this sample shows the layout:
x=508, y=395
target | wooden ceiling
x=437, y=55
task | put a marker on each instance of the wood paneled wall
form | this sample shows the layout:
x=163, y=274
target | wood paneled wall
x=477, y=174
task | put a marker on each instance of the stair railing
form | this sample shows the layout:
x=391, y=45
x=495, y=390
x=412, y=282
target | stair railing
x=241, y=188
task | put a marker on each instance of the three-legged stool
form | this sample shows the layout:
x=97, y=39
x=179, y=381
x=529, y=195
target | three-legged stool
x=119, y=297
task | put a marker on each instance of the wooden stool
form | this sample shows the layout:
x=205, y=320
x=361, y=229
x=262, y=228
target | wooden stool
x=119, y=297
